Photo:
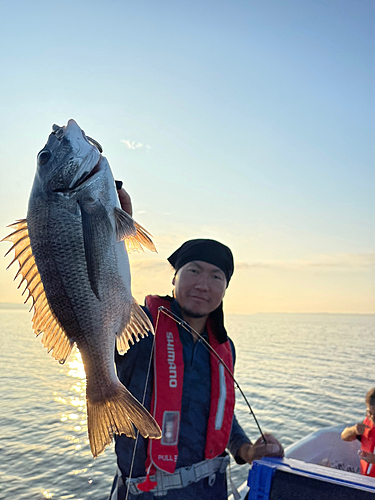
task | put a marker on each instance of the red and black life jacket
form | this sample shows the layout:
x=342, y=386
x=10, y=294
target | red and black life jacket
x=168, y=386
x=368, y=444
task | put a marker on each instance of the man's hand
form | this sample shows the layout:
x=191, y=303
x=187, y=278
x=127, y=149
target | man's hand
x=367, y=456
x=125, y=201
x=249, y=452
x=360, y=428
x=351, y=433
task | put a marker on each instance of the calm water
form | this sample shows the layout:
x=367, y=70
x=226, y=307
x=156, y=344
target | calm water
x=299, y=372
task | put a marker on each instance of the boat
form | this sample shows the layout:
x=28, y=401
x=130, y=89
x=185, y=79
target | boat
x=317, y=467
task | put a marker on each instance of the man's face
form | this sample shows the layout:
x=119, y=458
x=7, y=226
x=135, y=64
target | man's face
x=199, y=288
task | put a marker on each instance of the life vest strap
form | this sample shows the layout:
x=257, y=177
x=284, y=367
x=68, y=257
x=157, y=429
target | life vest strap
x=182, y=477
x=168, y=390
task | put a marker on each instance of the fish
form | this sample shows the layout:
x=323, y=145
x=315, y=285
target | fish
x=75, y=268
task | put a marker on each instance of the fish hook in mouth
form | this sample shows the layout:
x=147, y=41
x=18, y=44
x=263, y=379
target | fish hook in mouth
x=95, y=143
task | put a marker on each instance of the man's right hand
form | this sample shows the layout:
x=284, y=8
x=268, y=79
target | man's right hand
x=125, y=201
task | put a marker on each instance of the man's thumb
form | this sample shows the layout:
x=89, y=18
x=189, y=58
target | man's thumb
x=273, y=448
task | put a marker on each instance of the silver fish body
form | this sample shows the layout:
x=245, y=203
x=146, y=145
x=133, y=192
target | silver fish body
x=72, y=256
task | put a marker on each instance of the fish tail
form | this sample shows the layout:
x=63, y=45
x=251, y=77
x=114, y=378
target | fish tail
x=118, y=415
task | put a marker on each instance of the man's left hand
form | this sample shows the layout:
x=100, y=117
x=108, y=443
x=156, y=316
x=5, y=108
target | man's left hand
x=273, y=448
x=367, y=456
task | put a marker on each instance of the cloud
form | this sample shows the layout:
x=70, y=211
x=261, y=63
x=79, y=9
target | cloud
x=341, y=262
x=135, y=145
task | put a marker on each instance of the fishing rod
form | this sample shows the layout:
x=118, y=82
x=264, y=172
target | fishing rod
x=187, y=327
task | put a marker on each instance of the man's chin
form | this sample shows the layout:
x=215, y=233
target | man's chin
x=192, y=314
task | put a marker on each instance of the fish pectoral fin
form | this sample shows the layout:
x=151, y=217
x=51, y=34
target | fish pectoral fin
x=117, y=415
x=137, y=328
x=44, y=319
x=97, y=230
x=135, y=236
x=125, y=226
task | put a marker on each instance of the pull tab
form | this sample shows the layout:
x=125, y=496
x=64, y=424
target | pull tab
x=147, y=484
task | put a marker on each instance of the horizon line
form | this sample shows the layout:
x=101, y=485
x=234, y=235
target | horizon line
x=21, y=306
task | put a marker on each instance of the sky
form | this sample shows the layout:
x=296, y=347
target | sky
x=250, y=122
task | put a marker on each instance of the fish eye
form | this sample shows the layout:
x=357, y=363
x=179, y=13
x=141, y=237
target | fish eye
x=44, y=156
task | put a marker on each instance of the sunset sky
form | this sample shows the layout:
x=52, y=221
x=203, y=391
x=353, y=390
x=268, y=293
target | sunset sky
x=250, y=122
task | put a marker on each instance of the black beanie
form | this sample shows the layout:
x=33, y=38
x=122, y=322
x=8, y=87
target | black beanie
x=210, y=251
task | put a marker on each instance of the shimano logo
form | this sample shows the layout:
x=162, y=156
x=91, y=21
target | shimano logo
x=171, y=360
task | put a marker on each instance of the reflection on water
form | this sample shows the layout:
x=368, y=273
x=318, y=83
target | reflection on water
x=74, y=368
x=44, y=451
x=299, y=372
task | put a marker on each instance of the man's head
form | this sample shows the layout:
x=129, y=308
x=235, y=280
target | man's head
x=203, y=270
x=370, y=404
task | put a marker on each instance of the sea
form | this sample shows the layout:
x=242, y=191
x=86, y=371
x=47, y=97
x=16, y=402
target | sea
x=299, y=373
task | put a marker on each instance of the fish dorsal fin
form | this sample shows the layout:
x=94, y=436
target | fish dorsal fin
x=135, y=236
x=44, y=319
x=137, y=328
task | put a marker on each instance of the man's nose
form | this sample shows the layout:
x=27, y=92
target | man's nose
x=202, y=282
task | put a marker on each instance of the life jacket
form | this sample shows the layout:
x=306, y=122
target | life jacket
x=168, y=386
x=368, y=444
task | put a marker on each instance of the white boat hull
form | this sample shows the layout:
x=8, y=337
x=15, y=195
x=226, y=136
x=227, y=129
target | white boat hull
x=325, y=448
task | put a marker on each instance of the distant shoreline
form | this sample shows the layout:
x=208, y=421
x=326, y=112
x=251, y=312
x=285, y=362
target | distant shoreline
x=26, y=307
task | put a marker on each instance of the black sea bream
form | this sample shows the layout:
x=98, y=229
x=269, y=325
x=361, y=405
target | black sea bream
x=76, y=269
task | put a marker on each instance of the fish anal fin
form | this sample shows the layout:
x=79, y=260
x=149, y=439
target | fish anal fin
x=44, y=319
x=117, y=415
x=135, y=236
x=138, y=326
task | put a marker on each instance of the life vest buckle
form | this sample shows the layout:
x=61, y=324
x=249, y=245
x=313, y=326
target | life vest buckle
x=212, y=479
x=187, y=475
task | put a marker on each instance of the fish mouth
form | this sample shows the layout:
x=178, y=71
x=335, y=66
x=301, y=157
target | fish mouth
x=59, y=133
x=92, y=142
x=88, y=176
x=82, y=180
x=83, y=154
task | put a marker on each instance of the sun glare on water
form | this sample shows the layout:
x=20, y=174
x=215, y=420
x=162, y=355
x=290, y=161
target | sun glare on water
x=74, y=415
x=76, y=368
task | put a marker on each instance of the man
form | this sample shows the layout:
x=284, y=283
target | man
x=365, y=432
x=189, y=391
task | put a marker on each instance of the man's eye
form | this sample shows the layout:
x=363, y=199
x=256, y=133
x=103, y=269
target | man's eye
x=218, y=277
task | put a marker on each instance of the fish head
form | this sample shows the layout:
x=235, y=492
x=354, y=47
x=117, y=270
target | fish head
x=66, y=161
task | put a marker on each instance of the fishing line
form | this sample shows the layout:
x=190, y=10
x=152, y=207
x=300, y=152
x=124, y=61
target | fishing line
x=143, y=403
x=187, y=327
